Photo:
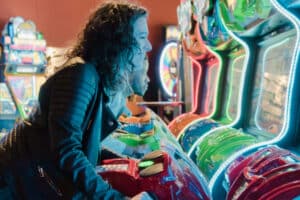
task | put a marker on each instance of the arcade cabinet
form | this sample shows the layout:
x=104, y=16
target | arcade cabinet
x=138, y=137
x=23, y=64
x=167, y=65
x=232, y=65
x=149, y=159
x=266, y=111
x=277, y=167
x=205, y=70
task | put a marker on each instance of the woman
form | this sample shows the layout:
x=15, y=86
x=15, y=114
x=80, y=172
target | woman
x=53, y=155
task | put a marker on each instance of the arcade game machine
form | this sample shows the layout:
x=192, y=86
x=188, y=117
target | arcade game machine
x=205, y=70
x=267, y=94
x=149, y=159
x=278, y=168
x=24, y=63
x=163, y=175
x=168, y=68
x=232, y=65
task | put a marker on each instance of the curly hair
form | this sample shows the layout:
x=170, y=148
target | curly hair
x=108, y=38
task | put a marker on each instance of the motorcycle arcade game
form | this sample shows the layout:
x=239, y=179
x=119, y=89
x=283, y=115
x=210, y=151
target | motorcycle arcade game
x=267, y=99
x=232, y=65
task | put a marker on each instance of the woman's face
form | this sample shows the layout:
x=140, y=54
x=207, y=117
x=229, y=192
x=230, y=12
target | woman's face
x=138, y=76
x=139, y=79
x=140, y=33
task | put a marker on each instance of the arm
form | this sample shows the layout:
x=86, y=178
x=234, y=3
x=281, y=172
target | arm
x=70, y=96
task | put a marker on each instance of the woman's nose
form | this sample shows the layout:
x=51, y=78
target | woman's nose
x=148, y=46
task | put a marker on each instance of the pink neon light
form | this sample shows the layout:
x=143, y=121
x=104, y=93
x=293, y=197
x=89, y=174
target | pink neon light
x=211, y=61
x=197, y=51
x=194, y=56
x=196, y=90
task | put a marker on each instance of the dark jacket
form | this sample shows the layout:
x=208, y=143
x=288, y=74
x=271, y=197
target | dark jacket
x=55, y=141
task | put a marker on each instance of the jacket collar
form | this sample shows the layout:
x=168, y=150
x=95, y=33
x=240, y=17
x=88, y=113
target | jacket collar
x=109, y=122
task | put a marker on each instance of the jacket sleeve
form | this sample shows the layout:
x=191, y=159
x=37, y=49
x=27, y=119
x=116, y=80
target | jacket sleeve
x=69, y=98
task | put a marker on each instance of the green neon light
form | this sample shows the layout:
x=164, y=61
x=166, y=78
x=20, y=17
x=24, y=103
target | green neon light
x=231, y=98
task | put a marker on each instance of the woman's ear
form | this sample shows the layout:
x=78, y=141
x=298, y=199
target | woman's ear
x=130, y=66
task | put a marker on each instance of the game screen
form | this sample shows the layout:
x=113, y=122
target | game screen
x=8, y=110
x=25, y=90
x=210, y=89
x=269, y=96
x=7, y=106
x=232, y=87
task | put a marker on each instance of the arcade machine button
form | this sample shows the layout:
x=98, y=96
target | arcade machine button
x=153, y=155
x=145, y=164
x=152, y=170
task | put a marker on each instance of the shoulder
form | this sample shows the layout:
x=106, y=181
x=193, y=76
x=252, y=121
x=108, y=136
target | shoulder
x=79, y=72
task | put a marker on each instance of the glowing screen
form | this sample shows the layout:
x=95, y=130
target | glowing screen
x=25, y=90
x=7, y=105
x=270, y=89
